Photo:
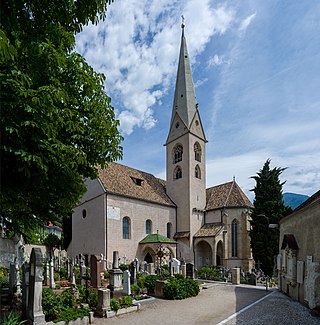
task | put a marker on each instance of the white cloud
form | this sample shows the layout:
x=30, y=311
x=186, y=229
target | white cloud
x=137, y=49
x=216, y=60
x=246, y=22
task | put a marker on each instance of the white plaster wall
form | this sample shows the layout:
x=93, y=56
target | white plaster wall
x=88, y=234
x=138, y=212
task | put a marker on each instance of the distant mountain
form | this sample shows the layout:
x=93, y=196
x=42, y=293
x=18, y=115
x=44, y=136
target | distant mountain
x=293, y=200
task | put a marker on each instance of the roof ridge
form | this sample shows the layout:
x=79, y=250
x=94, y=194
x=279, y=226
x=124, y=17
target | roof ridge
x=225, y=204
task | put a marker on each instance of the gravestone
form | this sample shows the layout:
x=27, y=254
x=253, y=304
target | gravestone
x=133, y=272
x=253, y=279
x=143, y=267
x=126, y=283
x=35, y=313
x=25, y=288
x=95, y=269
x=103, y=302
x=47, y=274
x=190, y=270
x=235, y=275
x=52, y=283
x=150, y=268
x=12, y=278
x=174, y=265
x=183, y=268
x=103, y=263
x=115, y=274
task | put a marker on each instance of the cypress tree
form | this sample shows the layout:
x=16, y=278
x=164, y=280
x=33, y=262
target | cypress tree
x=268, y=209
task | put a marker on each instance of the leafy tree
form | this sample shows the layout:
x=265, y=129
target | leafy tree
x=268, y=209
x=52, y=241
x=57, y=123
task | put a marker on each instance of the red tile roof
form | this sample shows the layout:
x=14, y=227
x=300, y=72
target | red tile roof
x=228, y=195
x=130, y=182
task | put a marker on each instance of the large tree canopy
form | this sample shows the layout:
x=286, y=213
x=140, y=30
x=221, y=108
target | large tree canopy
x=268, y=209
x=57, y=123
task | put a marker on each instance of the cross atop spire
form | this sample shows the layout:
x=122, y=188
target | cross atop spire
x=182, y=22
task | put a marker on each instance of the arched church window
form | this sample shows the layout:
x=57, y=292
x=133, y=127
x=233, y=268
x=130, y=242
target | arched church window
x=234, y=238
x=148, y=227
x=177, y=173
x=177, y=153
x=197, y=152
x=197, y=172
x=169, y=227
x=126, y=225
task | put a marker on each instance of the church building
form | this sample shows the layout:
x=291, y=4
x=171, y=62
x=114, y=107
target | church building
x=139, y=215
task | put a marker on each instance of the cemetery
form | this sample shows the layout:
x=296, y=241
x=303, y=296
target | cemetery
x=42, y=287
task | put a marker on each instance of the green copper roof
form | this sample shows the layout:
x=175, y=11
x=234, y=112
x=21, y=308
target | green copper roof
x=157, y=238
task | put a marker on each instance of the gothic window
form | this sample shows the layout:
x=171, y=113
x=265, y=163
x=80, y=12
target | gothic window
x=197, y=152
x=148, y=227
x=177, y=173
x=234, y=238
x=126, y=225
x=177, y=153
x=169, y=227
x=197, y=172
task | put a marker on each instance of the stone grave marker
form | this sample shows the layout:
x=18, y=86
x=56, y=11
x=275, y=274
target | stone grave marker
x=35, y=313
x=103, y=302
x=95, y=269
x=126, y=283
x=115, y=274
x=235, y=275
x=25, y=288
x=133, y=272
x=52, y=283
x=190, y=270
x=174, y=265
x=150, y=268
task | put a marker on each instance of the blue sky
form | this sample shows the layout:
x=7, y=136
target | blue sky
x=256, y=69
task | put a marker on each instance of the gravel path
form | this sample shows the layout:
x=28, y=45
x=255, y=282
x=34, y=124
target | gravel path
x=216, y=304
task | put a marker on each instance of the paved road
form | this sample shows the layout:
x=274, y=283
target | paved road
x=221, y=304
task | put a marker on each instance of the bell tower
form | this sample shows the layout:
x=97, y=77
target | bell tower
x=186, y=157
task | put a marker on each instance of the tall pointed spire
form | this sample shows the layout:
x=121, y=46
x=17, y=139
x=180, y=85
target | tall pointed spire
x=184, y=103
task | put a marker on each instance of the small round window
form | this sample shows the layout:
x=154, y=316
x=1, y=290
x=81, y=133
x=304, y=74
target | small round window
x=84, y=213
x=177, y=125
x=197, y=122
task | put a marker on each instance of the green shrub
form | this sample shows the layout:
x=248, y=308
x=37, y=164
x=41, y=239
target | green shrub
x=115, y=304
x=181, y=288
x=58, y=286
x=93, y=298
x=150, y=282
x=50, y=304
x=69, y=314
x=124, y=267
x=67, y=299
x=135, y=289
x=141, y=278
x=209, y=273
x=63, y=273
x=165, y=274
x=13, y=318
x=126, y=301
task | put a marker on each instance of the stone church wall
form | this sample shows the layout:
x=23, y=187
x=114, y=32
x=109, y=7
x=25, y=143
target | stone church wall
x=299, y=271
x=138, y=212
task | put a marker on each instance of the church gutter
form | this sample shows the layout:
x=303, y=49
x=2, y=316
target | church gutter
x=143, y=200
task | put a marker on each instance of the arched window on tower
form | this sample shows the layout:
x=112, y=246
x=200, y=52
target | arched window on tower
x=169, y=227
x=197, y=152
x=234, y=238
x=148, y=227
x=126, y=225
x=177, y=153
x=177, y=173
x=197, y=172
